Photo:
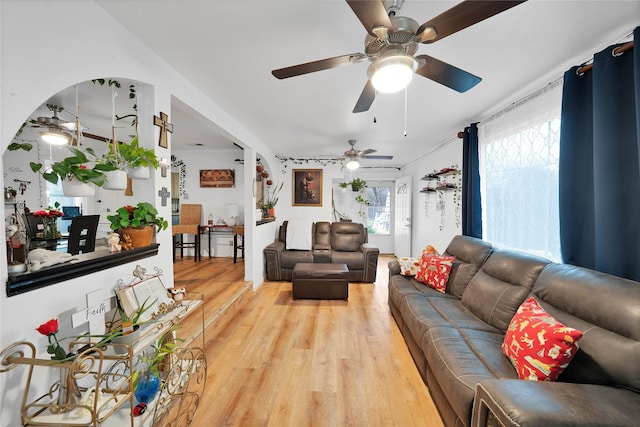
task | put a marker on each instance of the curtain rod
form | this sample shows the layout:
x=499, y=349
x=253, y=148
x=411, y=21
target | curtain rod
x=617, y=51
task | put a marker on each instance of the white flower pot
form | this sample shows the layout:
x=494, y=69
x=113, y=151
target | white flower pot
x=140, y=172
x=75, y=188
x=116, y=180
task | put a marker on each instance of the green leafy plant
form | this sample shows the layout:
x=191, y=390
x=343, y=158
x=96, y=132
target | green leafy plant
x=136, y=156
x=356, y=184
x=137, y=216
x=15, y=146
x=272, y=197
x=156, y=355
x=74, y=167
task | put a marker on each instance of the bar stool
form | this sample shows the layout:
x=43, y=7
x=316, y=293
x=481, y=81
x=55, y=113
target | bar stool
x=190, y=216
x=238, y=230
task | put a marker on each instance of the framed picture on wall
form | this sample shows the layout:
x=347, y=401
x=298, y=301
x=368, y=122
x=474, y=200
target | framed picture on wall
x=307, y=187
x=217, y=178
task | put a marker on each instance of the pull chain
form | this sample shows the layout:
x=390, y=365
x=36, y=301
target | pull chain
x=405, y=112
x=375, y=107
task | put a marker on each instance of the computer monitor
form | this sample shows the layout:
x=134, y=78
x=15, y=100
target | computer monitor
x=70, y=211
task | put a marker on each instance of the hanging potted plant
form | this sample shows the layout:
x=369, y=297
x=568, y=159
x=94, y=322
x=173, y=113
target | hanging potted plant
x=136, y=223
x=272, y=201
x=114, y=164
x=75, y=175
x=138, y=159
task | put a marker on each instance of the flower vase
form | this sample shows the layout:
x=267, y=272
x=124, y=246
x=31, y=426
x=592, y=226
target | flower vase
x=68, y=392
x=148, y=386
x=50, y=229
x=75, y=188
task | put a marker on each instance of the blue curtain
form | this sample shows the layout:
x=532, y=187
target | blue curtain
x=600, y=165
x=471, y=206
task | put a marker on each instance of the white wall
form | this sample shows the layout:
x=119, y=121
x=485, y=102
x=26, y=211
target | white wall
x=97, y=47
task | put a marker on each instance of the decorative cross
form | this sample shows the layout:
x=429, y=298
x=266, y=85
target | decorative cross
x=165, y=127
x=94, y=314
x=164, y=194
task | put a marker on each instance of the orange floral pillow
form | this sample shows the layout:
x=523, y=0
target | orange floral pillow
x=434, y=271
x=408, y=266
x=539, y=346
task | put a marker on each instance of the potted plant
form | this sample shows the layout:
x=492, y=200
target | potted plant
x=114, y=168
x=138, y=159
x=74, y=173
x=129, y=330
x=136, y=223
x=272, y=200
x=356, y=184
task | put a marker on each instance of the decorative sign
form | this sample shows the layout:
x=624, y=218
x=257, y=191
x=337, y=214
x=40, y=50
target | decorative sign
x=97, y=308
x=217, y=178
x=165, y=127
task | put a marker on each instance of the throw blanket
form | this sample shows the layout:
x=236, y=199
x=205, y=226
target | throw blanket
x=299, y=234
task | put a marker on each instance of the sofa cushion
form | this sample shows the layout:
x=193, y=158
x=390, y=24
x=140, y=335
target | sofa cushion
x=408, y=265
x=503, y=282
x=422, y=313
x=461, y=358
x=539, y=346
x=289, y=259
x=470, y=253
x=347, y=236
x=353, y=260
x=434, y=271
x=606, y=309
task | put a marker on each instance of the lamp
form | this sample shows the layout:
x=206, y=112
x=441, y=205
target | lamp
x=352, y=164
x=393, y=72
x=55, y=136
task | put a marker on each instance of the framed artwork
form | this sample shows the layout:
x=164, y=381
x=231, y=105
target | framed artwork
x=307, y=187
x=217, y=178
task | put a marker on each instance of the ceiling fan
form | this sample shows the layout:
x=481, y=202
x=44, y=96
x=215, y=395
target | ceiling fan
x=57, y=131
x=393, y=40
x=352, y=155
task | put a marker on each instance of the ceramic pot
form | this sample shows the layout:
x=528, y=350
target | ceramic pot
x=140, y=236
x=140, y=172
x=148, y=387
x=75, y=188
x=116, y=180
x=127, y=340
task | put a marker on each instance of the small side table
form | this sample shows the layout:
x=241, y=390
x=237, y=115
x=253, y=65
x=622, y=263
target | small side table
x=213, y=229
x=238, y=230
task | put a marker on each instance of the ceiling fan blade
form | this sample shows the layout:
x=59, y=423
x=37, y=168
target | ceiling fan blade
x=371, y=13
x=461, y=16
x=366, y=152
x=378, y=157
x=367, y=97
x=446, y=74
x=311, y=67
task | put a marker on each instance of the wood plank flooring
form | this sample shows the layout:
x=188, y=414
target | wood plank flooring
x=278, y=362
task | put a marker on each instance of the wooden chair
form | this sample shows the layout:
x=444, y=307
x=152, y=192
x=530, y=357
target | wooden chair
x=238, y=232
x=190, y=216
x=82, y=234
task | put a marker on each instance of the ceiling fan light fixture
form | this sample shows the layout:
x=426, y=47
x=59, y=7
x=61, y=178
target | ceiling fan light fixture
x=55, y=136
x=392, y=73
x=352, y=164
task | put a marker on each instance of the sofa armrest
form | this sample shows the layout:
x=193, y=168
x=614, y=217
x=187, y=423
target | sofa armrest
x=394, y=268
x=272, y=260
x=370, y=262
x=553, y=404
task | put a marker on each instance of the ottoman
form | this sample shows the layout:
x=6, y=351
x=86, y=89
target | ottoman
x=320, y=281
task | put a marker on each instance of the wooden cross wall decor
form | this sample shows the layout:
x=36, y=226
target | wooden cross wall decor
x=165, y=127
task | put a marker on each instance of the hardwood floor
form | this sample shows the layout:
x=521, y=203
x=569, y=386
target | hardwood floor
x=273, y=361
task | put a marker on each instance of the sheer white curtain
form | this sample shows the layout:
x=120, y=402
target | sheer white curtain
x=519, y=152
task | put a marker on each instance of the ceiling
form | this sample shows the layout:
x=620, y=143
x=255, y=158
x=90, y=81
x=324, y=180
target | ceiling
x=228, y=49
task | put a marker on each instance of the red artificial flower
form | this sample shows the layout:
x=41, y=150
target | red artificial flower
x=48, y=213
x=48, y=328
x=83, y=167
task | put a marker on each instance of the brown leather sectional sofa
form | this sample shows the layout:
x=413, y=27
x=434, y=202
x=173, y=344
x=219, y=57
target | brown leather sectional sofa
x=455, y=339
x=338, y=243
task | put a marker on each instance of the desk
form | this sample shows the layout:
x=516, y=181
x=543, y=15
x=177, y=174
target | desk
x=216, y=229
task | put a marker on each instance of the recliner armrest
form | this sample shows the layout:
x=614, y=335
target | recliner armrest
x=370, y=253
x=553, y=404
x=272, y=253
x=394, y=268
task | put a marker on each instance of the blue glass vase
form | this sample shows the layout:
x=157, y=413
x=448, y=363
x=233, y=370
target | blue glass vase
x=148, y=387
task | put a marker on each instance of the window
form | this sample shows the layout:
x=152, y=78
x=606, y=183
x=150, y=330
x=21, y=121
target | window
x=519, y=154
x=379, y=210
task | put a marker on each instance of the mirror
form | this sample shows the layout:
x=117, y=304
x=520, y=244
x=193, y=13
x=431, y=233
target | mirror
x=104, y=110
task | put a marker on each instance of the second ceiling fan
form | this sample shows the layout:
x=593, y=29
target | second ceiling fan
x=393, y=40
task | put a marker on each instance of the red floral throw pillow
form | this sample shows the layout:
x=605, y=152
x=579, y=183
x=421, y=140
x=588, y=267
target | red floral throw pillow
x=434, y=270
x=539, y=346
